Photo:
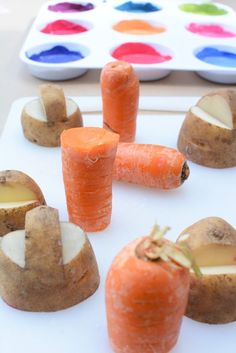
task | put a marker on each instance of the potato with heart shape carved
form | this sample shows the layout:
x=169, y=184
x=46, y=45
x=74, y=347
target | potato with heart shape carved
x=208, y=133
x=212, y=297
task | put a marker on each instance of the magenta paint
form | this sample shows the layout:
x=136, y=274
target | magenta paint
x=63, y=27
x=139, y=53
x=210, y=30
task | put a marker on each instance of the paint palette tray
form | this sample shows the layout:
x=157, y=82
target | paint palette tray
x=157, y=37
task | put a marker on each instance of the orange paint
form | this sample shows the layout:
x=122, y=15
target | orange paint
x=137, y=27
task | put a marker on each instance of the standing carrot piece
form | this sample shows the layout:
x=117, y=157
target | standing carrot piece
x=146, y=295
x=88, y=155
x=150, y=165
x=120, y=96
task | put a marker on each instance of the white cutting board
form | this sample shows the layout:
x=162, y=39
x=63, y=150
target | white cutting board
x=82, y=328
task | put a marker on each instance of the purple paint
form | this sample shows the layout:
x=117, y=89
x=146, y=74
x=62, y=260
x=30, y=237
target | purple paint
x=70, y=7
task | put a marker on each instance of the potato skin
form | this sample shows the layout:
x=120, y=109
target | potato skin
x=47, y=133
x=207, y=144
x=21, y=289
x=14, y=218
x=209, y=230
x=212, y=298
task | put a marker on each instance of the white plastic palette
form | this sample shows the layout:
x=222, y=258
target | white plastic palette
x=100, y=40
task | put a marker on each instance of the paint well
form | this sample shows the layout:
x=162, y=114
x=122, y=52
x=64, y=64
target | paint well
x=63, y=27
x=210, y=30
x=137, y=27
x=56, y=55
x=70, y=7
x=138, y=7
x=219, y=57
x=139, y=53
x=203, y=9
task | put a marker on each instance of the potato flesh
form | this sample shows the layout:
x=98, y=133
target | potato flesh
x=215, y=255
x=208, y=118
x=73, y=240
x=218, y=270
x=14, y=192
x=218, y=108
x=35, y=109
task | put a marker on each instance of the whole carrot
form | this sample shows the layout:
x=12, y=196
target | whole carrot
x=146, y=295
x=120, y=97
x=88, y=154
x=150, y=165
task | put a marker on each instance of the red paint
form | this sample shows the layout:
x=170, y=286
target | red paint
x=210, y=30
x=63, y=27
x=139, y=53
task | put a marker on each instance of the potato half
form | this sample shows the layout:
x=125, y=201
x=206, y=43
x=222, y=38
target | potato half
x=19, y=193
x=48, y=266
x=208, y=133
x=212, y=297
x=44, y=119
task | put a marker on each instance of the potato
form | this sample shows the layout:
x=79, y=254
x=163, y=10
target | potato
x=212, y=297
x=19, y=193
x=208, y=133
x=48, y=266
x=43, y=119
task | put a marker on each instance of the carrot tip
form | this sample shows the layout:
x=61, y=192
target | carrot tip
x=185, y=172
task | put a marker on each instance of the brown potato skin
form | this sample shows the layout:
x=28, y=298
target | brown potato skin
x=209, y=230
x=207, y=144
x=21, y=289
x=47, y=133
x=212, y=298
x=14, y=218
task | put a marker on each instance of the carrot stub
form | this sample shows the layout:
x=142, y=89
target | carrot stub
x=88, y=155
x=120, y=97
x=150, y=165
x=146, y=297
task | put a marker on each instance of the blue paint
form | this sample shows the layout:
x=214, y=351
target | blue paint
x=217, y=57
x=130, y=6
x=56, y=55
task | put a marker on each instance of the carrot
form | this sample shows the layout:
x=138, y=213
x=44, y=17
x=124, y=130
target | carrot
x=146, y=296
x=120, y=96
x=88, y=155
x=150, y=165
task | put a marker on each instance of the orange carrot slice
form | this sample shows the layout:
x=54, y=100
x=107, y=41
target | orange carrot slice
x=150, y=165
x=120, y=96
x=145, y=299
x=88, y=154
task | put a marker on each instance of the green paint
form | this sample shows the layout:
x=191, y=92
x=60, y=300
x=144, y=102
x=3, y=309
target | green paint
x=203, y=9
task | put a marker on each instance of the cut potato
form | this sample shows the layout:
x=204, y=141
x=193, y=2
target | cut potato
x=48, y=266
x=212, y=297
x=18, y=194
x=43, y=119
x=208, y=133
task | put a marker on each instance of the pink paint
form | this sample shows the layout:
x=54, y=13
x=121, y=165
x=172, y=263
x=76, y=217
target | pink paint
x=63, y=27
x=139, y=53
x=210, y=30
